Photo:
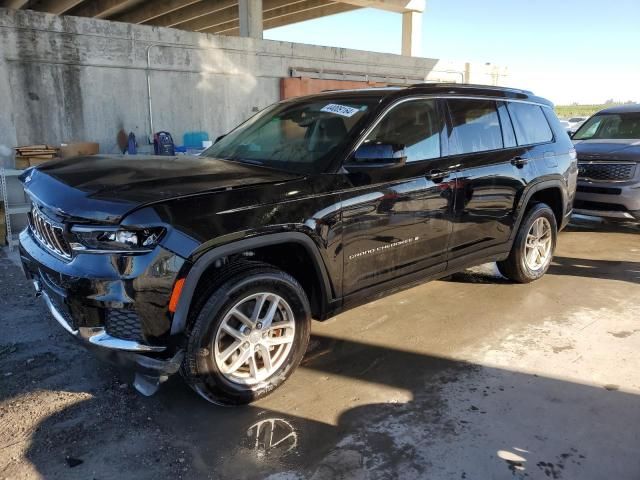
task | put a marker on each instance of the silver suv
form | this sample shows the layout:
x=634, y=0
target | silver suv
x=608, y=148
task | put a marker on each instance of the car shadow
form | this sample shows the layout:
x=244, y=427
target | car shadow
x=577, y=267
x=458, y=420
x=604, y=269
x=487, y=273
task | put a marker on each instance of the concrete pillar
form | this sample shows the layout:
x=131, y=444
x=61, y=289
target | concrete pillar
x=250, y=18
x=8, y=138
x=411, y=33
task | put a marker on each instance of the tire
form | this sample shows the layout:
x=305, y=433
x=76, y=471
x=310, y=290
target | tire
x=517, y=267
x=222, y=309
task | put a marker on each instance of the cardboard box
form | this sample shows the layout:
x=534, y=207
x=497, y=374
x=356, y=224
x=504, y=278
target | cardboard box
x=34, y=162
x=68, y=150
x=22, y=163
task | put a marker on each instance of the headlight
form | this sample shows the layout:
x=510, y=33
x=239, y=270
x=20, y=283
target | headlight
x=116, y=239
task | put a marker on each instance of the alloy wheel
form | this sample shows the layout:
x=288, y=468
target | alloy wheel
x=538, y=245
x=254, y=338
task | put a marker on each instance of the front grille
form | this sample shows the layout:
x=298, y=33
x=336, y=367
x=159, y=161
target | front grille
x=603, y=207
x=606, y=171
x=49, y=234
x=123, y=324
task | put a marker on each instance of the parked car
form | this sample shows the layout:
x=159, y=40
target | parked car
x=566, y=125
x=214, y=266
x=608, y=148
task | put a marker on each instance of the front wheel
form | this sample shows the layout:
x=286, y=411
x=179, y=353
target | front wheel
x=248, y=337
x=533, y=248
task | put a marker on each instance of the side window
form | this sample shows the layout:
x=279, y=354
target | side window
x=530, y=124
x=414, y=125
x=476, y=126
x=507, y=127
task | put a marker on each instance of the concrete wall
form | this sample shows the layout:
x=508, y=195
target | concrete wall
x=71, y=78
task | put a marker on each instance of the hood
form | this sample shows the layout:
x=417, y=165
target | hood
x=104, y=188
x=627, y=150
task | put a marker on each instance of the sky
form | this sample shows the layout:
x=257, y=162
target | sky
x=569, y=51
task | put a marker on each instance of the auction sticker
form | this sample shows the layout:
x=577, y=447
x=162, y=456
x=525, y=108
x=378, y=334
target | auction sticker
x=342, y=110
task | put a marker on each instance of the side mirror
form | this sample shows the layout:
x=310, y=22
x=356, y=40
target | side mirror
x=381, y=155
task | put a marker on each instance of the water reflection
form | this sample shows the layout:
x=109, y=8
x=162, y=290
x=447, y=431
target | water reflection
x=272, y=436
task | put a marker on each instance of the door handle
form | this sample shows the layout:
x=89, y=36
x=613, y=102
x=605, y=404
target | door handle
x=437, y=175
x=519, y=161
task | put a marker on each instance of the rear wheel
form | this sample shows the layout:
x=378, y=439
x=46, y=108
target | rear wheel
x=533, y=247
x=248, y=337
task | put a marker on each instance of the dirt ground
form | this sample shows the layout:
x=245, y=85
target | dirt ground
x=465, y=378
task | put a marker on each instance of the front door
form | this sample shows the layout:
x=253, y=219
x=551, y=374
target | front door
x=397, y=220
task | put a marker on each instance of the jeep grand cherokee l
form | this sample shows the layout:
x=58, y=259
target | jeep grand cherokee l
x=214, y=265
x=608, y=149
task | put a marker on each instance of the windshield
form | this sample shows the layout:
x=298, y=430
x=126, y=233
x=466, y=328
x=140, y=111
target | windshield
x=296, y=136
x=610, y=126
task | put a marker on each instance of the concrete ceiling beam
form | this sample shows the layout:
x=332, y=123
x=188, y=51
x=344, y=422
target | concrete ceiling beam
x=15, y=4
x=192, y=12
x=57, y=7
x=103, y=8
x=233, y=14
x=211, y=20
x=310, y=14
x=150, y=10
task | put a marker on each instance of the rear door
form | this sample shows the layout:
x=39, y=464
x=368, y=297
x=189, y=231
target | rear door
x=493, y=172
x=535, y=138
x=397, y=221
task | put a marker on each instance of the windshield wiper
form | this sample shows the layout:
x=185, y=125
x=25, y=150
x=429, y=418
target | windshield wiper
x=234, y=158
x=247, y=160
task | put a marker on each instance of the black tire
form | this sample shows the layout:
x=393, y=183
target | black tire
x=200, y=369
x=515, y=267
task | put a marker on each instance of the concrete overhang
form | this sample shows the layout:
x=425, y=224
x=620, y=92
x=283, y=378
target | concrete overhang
x=229, y=17
x=397, y=6
x=208, y=16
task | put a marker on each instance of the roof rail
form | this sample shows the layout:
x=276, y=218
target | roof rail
x=469, y=85
x=376, y=87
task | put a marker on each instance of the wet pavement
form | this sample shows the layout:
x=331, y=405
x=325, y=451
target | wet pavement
x=471, y=377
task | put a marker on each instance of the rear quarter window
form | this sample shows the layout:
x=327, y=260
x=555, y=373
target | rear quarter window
x=529, y=123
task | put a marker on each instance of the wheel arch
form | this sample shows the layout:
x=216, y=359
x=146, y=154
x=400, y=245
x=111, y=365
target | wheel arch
x=208, y=260
x=552, y=192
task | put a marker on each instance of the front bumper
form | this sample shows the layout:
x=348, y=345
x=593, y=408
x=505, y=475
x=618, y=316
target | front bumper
x=608, y=214
x=129, y=355
x=97, y=336
x=82, y=295
x=614, y=200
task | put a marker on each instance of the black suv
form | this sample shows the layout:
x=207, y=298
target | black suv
x=215, y=265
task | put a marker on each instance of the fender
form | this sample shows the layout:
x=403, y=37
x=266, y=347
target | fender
x=207, y=259
x=529, y=192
